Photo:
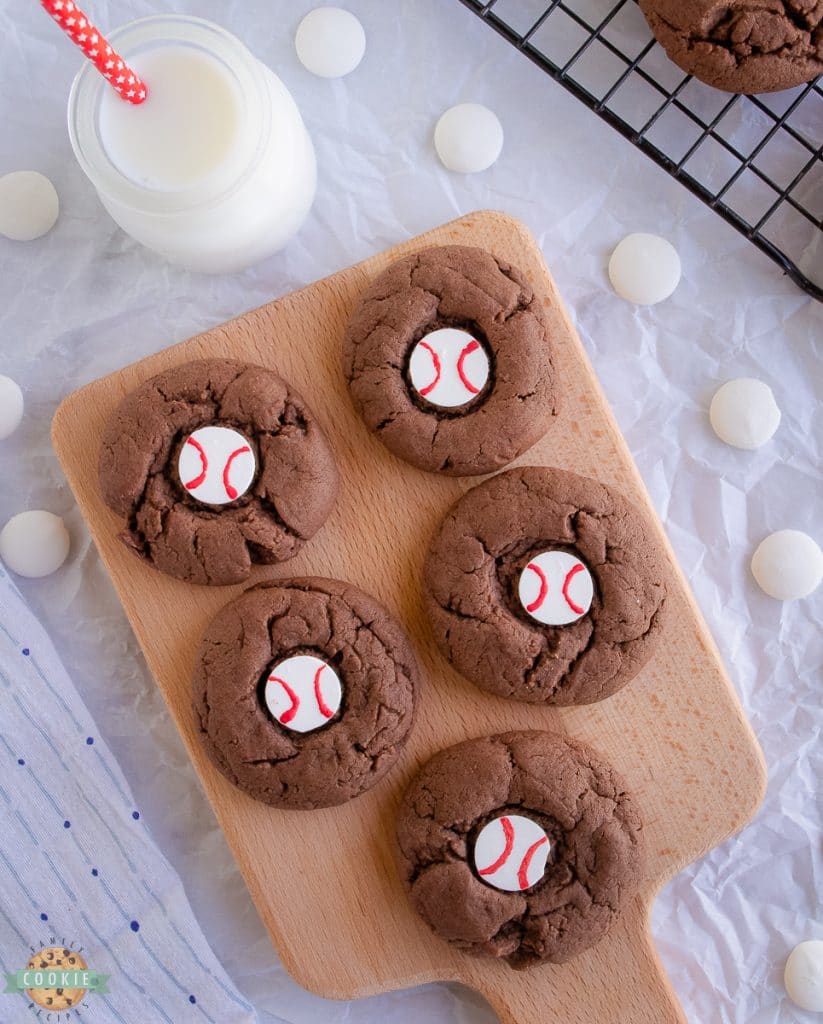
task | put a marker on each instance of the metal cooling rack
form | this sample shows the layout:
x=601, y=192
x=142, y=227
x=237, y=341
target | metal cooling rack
x=756, y=160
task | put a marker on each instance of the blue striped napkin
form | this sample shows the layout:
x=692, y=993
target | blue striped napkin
x=78, y=867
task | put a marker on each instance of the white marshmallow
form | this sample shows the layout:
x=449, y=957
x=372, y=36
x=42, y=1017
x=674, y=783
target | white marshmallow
x=511, y=853
x=303, y=693
x=216, y=465
x=556, y=588
x=448, y=368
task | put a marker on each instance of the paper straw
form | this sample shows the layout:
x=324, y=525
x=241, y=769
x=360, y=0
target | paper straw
x=93, y=44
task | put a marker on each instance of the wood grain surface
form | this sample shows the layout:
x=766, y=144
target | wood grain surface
x=677, y=732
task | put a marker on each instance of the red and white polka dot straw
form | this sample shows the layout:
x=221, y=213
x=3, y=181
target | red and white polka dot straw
x=110, y=64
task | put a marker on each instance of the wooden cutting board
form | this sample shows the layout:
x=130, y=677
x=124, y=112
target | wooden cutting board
x=324, y=882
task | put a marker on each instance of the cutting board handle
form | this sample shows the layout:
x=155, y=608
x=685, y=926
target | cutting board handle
x=620, y=981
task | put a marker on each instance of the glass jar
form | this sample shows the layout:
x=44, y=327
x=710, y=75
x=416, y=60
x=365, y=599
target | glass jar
x=258, y=176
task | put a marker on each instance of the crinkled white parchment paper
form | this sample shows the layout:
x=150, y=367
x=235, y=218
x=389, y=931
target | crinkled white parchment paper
x=86, y=300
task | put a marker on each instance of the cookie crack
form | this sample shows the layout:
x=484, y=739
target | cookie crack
x=270, y=760
x=136, y=537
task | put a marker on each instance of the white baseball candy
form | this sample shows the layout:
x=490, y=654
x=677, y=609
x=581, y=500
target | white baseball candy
x=644, y=269
x=330, y=42
x=11, y=406
x=468, y=138
x=788, y=565
x=744, y=413
x=803, y=976
x=511, y=853
x=303, y=693
x=216, y=465
x=556, y=588
x=448, y=368
x=34, y=543
x=29, y=205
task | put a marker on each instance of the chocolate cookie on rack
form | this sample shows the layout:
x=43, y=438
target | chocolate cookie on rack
x=546, y=586
x=305, y=692
x=740, y=46
x=449, y=360
x=215, y=465
x=525, y=846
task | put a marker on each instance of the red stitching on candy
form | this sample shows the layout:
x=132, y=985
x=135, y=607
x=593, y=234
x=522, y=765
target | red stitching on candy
x=289, y=713
x=204, y=462
x=232, y=491
x=508, y=831
x=325, y=710
x=544, y=587
x=437, y=370
x=523, y=871
x=472, y=346
x=575, y=569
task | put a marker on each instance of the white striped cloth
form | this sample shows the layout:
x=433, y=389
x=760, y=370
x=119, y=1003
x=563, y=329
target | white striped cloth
x=78, y=867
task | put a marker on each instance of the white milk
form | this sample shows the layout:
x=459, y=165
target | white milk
x=184, y=131
x=215, y=170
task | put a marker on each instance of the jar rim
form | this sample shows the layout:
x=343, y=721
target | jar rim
x=88, y=87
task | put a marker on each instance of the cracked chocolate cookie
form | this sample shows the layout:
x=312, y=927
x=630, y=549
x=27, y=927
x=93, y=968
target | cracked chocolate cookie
x=214, y=465
x=524, y=845
x=545, y=586
x=747, y=46
x=304, y=692
x=448, y=356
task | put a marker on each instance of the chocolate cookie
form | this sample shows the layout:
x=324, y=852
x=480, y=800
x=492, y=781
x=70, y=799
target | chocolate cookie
x=524, y=846
x=546, y=587
x=215, y=465
x=305, y=692
x=449, y=360
x=747, y=46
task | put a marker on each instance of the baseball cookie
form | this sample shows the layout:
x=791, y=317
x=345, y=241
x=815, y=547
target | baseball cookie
x=547, y=587
x=448, y=356
x=524, y=846
x=215, y=465
x=740, y=45
x=305, y=692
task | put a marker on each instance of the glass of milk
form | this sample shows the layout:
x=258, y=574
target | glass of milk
x=215, y=170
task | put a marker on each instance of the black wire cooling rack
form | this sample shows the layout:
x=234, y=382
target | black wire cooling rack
x=756, y=160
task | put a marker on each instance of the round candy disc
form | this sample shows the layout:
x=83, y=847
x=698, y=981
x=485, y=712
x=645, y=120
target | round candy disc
x=744, y=413
x=556, y=588
x=330, y=42
x=803, y=976
x=448, y=368
x=511, y=852
x=11, y=406
x=34, y=543
x=303, y=693
x=29, y=206
x=468, y=138
x=644, y=269
x=788, y=565
x=216, y=465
